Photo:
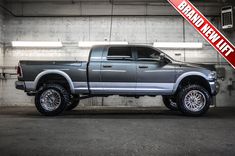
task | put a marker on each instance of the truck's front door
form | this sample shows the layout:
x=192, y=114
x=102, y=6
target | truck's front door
x=118, y=71
x=153, y=76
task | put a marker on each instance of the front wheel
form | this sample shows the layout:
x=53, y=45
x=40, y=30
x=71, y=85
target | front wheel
x=193, y=100
x=52, y=99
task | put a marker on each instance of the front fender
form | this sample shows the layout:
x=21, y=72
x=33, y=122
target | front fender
x=184, y=75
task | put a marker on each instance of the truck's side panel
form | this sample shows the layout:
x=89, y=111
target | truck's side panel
x=154, y=78
x=76, y=71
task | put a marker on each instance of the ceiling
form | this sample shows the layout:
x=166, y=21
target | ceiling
x=69, y=7
x=111, y=1
x=118, y=1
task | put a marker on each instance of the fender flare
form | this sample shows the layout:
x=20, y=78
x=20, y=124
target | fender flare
x=184, y=75
x=59, y=72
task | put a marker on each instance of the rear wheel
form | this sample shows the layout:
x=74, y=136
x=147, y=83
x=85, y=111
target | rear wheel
x=73, y=102
x=170, y=102
x=52, y=99
x=194, y=100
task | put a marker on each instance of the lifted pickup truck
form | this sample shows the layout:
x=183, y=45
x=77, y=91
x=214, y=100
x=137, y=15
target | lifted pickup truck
x=125, y=70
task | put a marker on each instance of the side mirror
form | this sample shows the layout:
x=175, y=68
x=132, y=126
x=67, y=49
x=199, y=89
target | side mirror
x=162, y=57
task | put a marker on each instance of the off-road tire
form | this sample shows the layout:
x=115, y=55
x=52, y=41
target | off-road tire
x=181, y=100
x=63, y=94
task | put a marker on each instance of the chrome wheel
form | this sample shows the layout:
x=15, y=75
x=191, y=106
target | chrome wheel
x=50, y=100
x=195, y=100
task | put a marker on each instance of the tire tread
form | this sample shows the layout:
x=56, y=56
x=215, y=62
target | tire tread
x=183, y=92
x=65, y=96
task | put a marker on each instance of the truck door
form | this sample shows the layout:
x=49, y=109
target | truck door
x=118, y=71
x=153, y=76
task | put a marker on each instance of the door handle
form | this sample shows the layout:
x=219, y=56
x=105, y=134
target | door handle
x=107, y=66
x=143, y=66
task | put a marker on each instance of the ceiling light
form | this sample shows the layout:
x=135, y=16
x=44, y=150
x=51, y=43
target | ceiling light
x=40, y=44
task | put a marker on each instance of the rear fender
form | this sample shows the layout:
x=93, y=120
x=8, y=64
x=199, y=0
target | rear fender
x=59, y=72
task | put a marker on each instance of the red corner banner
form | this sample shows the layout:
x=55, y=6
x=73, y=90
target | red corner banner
x=206, y=29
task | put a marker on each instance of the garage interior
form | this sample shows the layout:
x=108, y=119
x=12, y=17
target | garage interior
x=147, y=128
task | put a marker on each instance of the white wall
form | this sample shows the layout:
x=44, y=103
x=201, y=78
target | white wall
x=104, y=7
x=135, y=30
x=1, y=53
x=1, y=37
x=1, y=26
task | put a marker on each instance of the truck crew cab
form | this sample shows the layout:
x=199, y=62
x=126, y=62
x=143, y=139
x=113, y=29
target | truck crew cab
x=125, y=70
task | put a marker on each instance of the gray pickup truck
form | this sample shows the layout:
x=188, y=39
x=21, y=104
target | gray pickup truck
x=125, y=70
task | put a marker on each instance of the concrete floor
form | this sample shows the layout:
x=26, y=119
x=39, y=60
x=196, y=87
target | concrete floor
x=138, y=131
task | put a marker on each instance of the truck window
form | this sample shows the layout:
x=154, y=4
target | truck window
x=117, y=53
x=145, y=53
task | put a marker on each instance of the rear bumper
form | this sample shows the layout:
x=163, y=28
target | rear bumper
x=20, y=85
x=214, y=87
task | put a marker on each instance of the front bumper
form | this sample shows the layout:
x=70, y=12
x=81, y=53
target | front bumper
x=20, y=85
x=214, y=87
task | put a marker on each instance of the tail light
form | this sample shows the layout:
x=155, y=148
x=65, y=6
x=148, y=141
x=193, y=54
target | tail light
x=19, y=71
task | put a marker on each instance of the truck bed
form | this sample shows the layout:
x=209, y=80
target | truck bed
x=75, y=69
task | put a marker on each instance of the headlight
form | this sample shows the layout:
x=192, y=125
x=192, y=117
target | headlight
x=212, y=75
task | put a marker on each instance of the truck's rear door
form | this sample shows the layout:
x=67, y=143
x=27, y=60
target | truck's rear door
x=118, y=71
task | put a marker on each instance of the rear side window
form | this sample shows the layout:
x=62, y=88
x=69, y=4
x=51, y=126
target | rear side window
x=119, y=53
x=145, y=53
